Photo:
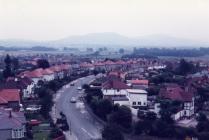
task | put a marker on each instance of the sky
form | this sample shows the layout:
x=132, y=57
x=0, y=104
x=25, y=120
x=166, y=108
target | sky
x=56, y=19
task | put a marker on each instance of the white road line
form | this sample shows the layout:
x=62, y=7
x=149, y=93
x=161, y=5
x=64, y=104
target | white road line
x=87, y=132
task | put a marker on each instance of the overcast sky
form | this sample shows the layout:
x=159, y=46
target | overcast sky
x=55, y=19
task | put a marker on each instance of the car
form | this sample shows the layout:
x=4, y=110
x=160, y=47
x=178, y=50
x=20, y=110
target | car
x=73, y=100
x=79, y=88
x=72, y=84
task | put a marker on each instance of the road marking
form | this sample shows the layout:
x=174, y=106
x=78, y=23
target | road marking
x=87, y=132
x=83, y=111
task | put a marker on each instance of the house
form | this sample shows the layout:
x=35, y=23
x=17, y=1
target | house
x=115, y=90
x=25, y=84
x=35, y=75
x=10, y=98
x=67, y=69
x=119, y=93
x=12, y=125
x=138, y=84
x=58, y=72
x=48, y=74
x=176, y=93
x=137, y=98
x=114, y=87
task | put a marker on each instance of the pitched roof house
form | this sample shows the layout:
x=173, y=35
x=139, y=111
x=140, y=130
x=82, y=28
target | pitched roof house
x=10, y=98
x=12, y=125
x=176, y=93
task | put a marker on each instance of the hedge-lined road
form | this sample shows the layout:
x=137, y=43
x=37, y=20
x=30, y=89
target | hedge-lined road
x=81, y=123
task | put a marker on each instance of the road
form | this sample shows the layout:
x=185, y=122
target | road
x=81, y=123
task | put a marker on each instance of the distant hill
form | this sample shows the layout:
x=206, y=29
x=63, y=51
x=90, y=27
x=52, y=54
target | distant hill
x=109, y=40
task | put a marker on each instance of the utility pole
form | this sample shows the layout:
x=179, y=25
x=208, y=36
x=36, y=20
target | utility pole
x=70, y=128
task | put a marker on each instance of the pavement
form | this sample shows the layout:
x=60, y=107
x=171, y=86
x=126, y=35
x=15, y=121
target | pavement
x=82, y=125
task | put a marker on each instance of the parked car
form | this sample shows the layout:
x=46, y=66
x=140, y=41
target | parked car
x=79, y=88
x=72, y=84
x=73, y=100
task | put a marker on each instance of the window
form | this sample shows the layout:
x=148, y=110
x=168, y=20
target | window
x=134, y=103
x=139, y=103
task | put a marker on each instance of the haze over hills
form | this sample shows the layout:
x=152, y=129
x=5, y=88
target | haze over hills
x=109, y=40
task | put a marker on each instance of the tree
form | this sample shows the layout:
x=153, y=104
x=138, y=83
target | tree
x=150, y=116
x=142, y=127
x=15, y=63
x=95, y=72
x=112, y=132
x=201, y=117
x=7, y=71
x=103, y=108
x=203, y=136
x=43, y=63
x=185, y=67
x=166, y=112
x=122, y=117
x=46, y=104
x=121, y=50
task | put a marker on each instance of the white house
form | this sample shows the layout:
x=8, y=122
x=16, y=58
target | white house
x=27, y=87
x=137, y=97
x=48, y=75
x=121, y=94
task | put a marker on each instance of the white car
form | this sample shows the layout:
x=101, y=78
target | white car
x=73, y=100
x=79, y=88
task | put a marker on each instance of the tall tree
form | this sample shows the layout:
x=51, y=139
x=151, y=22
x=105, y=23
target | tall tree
x=122, y=116
x=121, y=50
x=7, y=71
x=15, y=64
x=43, y=63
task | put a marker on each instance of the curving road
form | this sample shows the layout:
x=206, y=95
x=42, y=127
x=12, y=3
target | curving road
x=82, y=125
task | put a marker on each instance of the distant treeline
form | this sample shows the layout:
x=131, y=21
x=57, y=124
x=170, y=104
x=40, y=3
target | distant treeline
x=36, y=48
x=170, y=52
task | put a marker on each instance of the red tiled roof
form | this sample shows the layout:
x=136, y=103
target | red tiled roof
x=55, y=68
x=99, y=64
x=7, y=95
x=114, y=84
x=109, y=62
x=139, y=82
x=120, y=62
x=175, y=92
x=35, y=74
x=86, y=65
x=47, y=71
x=65, y=66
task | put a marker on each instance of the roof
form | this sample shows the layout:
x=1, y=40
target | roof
x=175, y=92
x=139, y=82
x=112, y=92
x=55, y=68
x=17, y=119
x=33, y=74
x=16, y=83
x=7, y=95
x=47, y=71
x=137, y=91
x=114, y=84
x=119, y=98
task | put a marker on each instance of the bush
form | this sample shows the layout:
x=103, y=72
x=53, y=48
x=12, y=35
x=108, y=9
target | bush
x=122, y=117
x=112, y=132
